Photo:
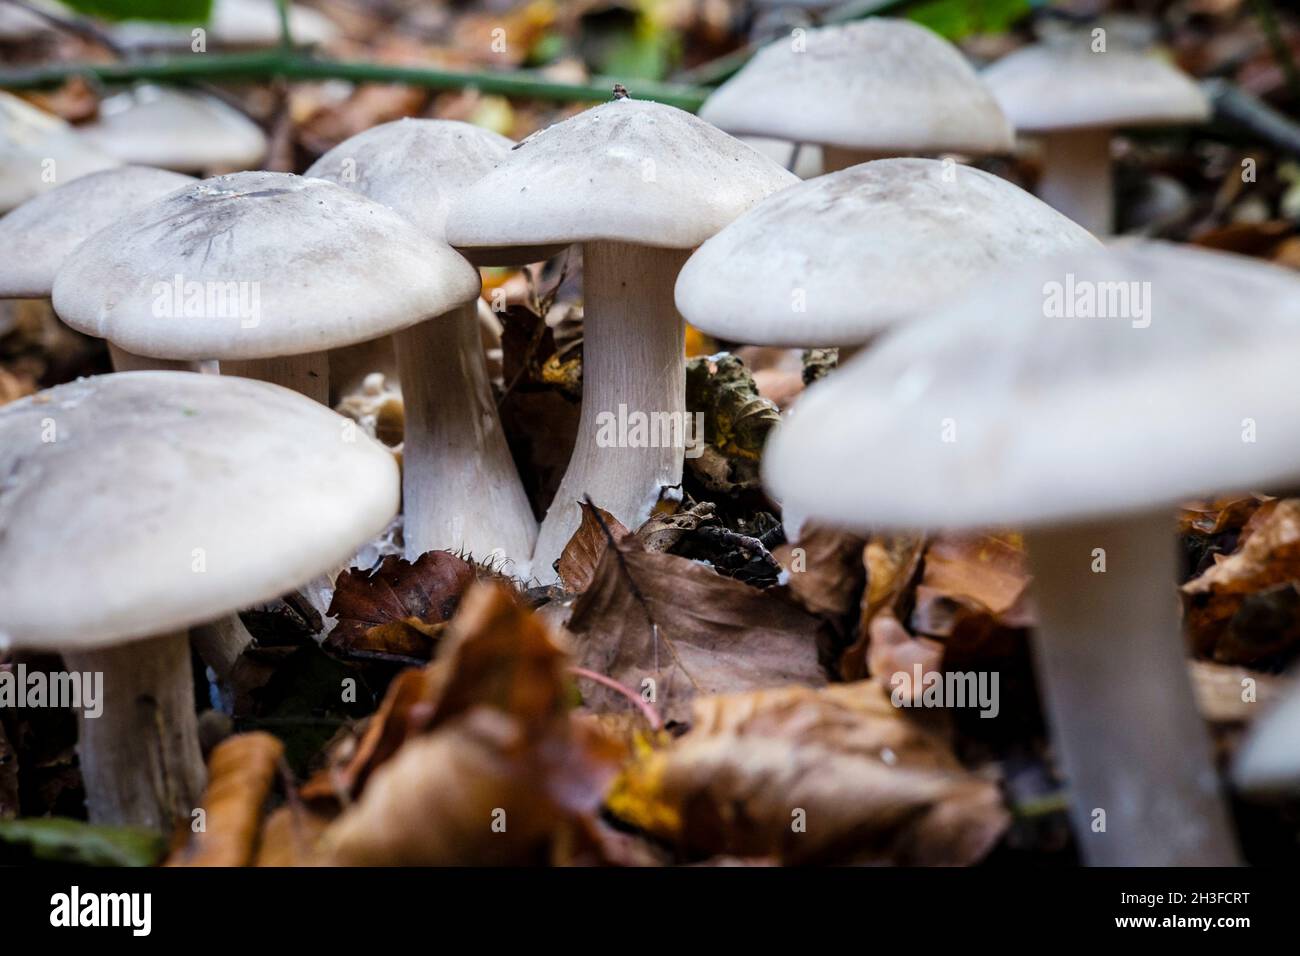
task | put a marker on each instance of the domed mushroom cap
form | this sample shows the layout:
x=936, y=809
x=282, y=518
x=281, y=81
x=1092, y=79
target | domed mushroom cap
x=42, y=232
x=876, y=85
x=1094, y=384
x=1065, y=85
x=144, y=502
x=626, y=171
x=175, y=129
x=38, y=151
x=834, y=260
x=414, y=166
x=255, y=265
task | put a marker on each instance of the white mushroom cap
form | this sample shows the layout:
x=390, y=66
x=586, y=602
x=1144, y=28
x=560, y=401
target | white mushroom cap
x=415, y=166
x=167, y=499
x=996, y=412
x=626, y=171
x=234, y=23
x=328, y=268
x=1065, y=85
x=43, y=231
x=1269, y=759
x=175, y=129
x=19, y=24
x=38, y=151
x=878, y=85
x=832, y=261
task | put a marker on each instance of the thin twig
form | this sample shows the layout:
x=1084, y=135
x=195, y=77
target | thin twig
x=649, y=713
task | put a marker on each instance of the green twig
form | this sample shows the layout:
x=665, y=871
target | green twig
x=299, y=66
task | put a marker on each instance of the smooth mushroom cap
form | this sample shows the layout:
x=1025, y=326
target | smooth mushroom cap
x=415, y=166
x=1065, y=85
x=878, y=85
x=625, y=171
x=175, y=129
x=141, y=503
x=326, y=267
x=43, y=231
x=1000, y=410
x=234, y=23
x=832, y=261
x=38, y=151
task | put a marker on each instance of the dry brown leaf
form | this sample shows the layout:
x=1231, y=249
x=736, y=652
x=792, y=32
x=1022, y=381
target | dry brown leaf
x=584, y=550
x=1232, y=695
x=891, y=563
x=1246, y=607
x=1218, y=515
x=241, y=772
x=687, y=628
x=289, y=837
x=826, y=573
x=663, y=530
x=836, y=775
x=975, y=576
x=397, y=610
x=499, y=770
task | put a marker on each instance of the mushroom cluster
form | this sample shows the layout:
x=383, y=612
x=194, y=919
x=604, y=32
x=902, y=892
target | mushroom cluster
x=1010, y=370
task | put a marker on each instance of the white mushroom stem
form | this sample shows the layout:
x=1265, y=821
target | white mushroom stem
x=307, y=374
x=124, y=361
x=140, y=759
x=220, y=643
x=1112, y=664
x=460, y=488
x=633, y=370
x=1076, y=178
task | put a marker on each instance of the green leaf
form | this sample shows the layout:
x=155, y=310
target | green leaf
x=955, y=19
x=169, y=11
x=61, y=840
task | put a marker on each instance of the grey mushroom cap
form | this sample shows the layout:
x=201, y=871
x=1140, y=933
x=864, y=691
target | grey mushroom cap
x=1015, y=406
x=625, y=171
x=175, y=129
x=141, y=503
x=38, y=151
x=878, y=85
x=324, y=268
x=834, y=260
x=414, y=166
x=1063, y=84
x=43, y=231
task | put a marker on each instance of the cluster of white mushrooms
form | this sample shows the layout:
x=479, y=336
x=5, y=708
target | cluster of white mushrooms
x=137, y=505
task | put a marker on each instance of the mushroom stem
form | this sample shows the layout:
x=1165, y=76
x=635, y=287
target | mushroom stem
x=220, y=643
x=1076, y=177
x=633, y=374
x=1124, y=720
x=124, y=361
x=835, y=158
x=307, y=374
x=140, y=759
x=460, y=488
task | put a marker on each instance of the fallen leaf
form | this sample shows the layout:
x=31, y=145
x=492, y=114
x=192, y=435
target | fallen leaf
x=736, y=418
x=396, y=610
x=825, y=570
x=1219, y=515
x=241, y=772
x=687, y=628
x=1232, y=695
x=584, y=550
x=891, y=563
x=1246, y=608
x=662, y=531
x=837, y=775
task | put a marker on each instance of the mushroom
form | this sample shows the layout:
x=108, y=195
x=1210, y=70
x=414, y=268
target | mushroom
x=639, y=184
x=460, y=488
x=39, y=151
x=1073, y=99
x=1058, y=397
x=835, y=260
x=175, y=129
x=264, y=272
x=1268, y=762
x=138, y=504
x=241, y=24
x=44, y=230
x=863, y=90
